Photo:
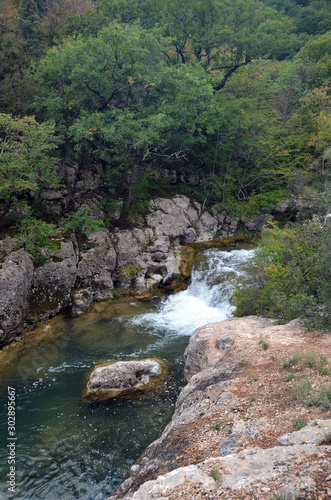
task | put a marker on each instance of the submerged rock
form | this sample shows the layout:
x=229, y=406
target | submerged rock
x=123, y=378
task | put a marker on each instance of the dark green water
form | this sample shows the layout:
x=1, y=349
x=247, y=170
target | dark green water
x=66, y=450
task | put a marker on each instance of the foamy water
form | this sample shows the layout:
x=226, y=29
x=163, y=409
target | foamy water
x=206, y=300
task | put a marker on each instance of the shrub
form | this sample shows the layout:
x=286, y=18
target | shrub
x=326, y=438
x=320, y=397
x=25, y=160
x=81, y=223
x=36, y=236
x=130, y=270
x=299, y=423
x=301, y=389
x=215, y=474
x=290, y=276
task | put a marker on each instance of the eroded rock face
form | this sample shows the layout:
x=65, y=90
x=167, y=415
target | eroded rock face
x=123, y=378
x=95, y=272
x=16, y=276
x=52, y=284
x=171, y=219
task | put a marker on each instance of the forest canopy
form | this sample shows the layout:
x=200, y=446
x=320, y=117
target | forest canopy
x=233, y=95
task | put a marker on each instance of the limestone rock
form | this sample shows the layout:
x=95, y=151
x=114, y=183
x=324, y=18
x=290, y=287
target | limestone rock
x=169, y=219
x=207, y=227
x=227, y=446
x=98, y=259
x=199, y=354
x=218, y=359
x=15, y=280
x=153, y=252
x=8, y=245
x=190, y=474
x=309, y=434
x=127, y=248
x=254, y=465
x=81, y=300
x=52, y=284
x=95, y=270
x=123, y=378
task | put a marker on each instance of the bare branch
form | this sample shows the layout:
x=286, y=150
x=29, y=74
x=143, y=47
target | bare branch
x=177, y=155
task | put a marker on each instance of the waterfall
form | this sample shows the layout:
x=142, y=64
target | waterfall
x=69, y=450
x=207, y=299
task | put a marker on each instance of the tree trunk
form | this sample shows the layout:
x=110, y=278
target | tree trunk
x=130, y=195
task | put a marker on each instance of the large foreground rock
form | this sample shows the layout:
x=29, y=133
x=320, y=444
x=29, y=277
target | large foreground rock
x=219, y=478
x=124, y=378
x=235, y=418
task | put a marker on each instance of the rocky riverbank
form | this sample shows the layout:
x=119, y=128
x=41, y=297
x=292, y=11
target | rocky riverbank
x=254, y=420
x=141, y=261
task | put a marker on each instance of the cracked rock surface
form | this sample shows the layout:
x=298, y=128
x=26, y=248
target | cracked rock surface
x=233, y=433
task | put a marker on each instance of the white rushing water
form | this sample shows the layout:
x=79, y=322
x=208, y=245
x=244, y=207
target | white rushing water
x=206, y=300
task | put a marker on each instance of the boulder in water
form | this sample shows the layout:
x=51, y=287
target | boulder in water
x=124, y=378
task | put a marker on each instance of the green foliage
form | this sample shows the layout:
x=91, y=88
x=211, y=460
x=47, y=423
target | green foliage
x=25, y=162
x=224, y=35
x=216, y=475
x=114, y=97
x=37, y=236
x=210, y=89
x=279, y=495
x=320, y=396
x=301, y=389
x=290, y=275
x=29, y=24
x=308, y=359
x=298, y=423
x=310, y=16
x=326, y=438
x=130, y=270
x=81, y=223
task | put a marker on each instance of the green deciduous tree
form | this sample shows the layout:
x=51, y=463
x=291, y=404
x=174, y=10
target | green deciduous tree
x=115, y=97
x=25, y=161
x=226, y=34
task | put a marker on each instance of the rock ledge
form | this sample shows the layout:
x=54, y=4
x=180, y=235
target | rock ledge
x=232, y=434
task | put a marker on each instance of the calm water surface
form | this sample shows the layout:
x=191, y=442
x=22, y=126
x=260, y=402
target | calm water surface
x=66, y=450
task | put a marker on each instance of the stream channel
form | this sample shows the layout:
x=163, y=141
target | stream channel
x=66, y=450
